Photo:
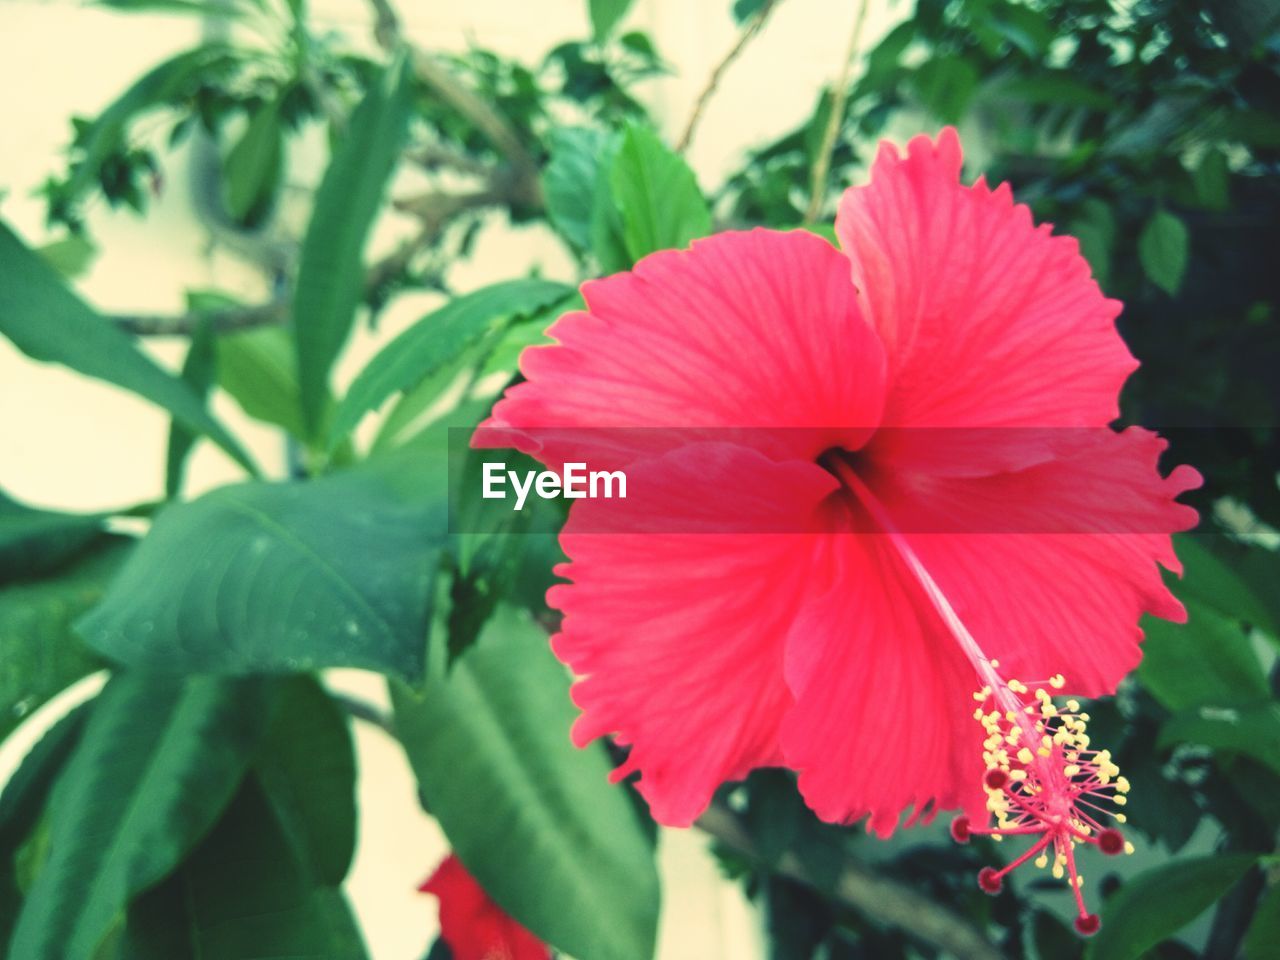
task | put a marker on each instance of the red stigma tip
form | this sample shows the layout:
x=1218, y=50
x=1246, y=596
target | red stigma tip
x=1111, y=842
x=1087, y=924
x=960, y=829
x=989, y=880
x=995, y=779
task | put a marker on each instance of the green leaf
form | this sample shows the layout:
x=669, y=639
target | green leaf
x=1163, y=247
x=160, y=85
x=22, y=803
x=605, y=15
x=1207, y=661
x=71, y=256
x=1212, y=178
x=198, y=372
x=47, y=322
x=1251, y=731
x=307, y=768
x=490, y=745
x=571, y=178
x=1158, y=903
x=158, y=761
x=656, y=195
x=288, y=577
x=243, y=893
x=33, y=542
x=1264, y=933
x=330, y=275
x=945, y=86
x=42, y=655
x=253, y=166
x=1216, y=578
x=434, y=341
x=259, y=370
x=744, y=10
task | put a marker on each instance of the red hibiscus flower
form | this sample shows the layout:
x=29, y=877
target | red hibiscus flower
x=474, y=927
x=942, y=385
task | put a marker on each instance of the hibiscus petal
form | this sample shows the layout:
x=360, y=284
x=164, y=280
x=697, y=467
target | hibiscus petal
x=882, y=719
x=1052, y=567
x=679, y=636
x=987, y=319
x=744, y=329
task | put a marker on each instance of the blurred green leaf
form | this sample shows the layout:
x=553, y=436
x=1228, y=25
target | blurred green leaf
x=289, y=577
x=71, y=256
x=1163, y=248
x=164, y=82
x=198, y=372
x=254, y=165
x=1212, y=178
x=47, y=322
x=307, y=769
x=259, y=370
x=1158, y=903
x=42, y=655
x=490, y=746
x=744, y=10
x=330, y=271
x=434, y=341
x=657, y=197
x=22, y=802
x=1218, y=578
x=1208, y=660
x=1253, y=731
x=605, y=16
x=243, y=893
x=945, y=85
x=571, y=180
x=158, y=761
x=33, y=542
x=1264, y=933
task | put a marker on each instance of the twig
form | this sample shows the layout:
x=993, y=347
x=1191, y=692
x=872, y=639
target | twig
x=495, y=128
x=839, y=96
x=866, y=891
x=713, y=82
x=228, y=320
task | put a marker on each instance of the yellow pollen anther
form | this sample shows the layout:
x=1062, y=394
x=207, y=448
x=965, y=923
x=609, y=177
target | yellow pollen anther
x=1071, y=770
x=1128, y=847
x=1024, y=755
x=1122, y=784
x=1045, y=752
x=1119, y=801
x=1017, y=686
x=1120, y=818
x=1057, y=681
x=1073, y=706
x=1042, y=861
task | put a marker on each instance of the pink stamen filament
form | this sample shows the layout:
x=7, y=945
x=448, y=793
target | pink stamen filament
x=1048, y=796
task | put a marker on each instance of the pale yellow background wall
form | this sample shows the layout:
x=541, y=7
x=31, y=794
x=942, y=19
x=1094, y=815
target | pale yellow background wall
x=70, y=443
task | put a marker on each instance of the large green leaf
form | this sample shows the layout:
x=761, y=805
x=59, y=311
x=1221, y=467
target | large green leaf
x=1215, y=575
x=1252, y=731
x=1264, y=931
x=243, y=893
x=330, y=272
x=34, y=542
x=656, y=195
x=283, y=577
x=307, y=768
x=532, y=817
x=434, y=341
x=259, y=370
x=157, y=762
x=41, y=654
x=48, y=322
x=23, y=801
x=1158, y=903
x=570, y=180
x=1208, y=660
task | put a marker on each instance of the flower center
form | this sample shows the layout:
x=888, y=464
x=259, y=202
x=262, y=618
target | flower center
x=1043, y=779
